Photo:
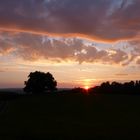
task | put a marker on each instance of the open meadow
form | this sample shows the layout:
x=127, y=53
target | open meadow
x=70, y=116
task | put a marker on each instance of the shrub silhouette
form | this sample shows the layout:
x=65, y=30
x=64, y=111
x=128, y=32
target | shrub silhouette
x=40, y=82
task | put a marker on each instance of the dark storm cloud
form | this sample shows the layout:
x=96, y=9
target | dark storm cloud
x=99, y=19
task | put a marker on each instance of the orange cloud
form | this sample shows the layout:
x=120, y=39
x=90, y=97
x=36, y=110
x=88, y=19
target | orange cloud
x=102, y=21
x=64, y=35
x=32, y=48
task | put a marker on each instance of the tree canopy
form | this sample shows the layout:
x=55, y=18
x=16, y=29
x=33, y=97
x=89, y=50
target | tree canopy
x=40, y=82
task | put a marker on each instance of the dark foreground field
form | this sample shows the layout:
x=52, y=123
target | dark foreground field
x=70, y=116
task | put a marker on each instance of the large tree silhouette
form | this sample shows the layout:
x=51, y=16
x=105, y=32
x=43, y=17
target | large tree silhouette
x=39, y=82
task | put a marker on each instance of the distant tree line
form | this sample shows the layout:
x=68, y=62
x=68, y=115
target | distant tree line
x=117, y=88
x=40, y=82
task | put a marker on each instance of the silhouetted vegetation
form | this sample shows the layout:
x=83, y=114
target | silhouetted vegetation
x=117, y=88
x=71, y=114
x=40, y=82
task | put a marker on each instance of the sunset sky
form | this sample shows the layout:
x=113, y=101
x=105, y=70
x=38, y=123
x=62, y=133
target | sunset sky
x=81, y=42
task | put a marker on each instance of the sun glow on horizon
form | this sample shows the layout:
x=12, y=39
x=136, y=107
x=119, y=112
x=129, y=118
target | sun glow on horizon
x=87, y=83
x=86, y=87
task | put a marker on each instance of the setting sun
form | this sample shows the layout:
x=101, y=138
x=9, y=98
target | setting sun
x=86, y=87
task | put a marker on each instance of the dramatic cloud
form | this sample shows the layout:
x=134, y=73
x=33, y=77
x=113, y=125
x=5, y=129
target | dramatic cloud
x=108, y=20
x=33, y=47
x=104, y=20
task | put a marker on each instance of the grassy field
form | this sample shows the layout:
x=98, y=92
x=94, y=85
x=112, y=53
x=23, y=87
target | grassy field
x=71, y=116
